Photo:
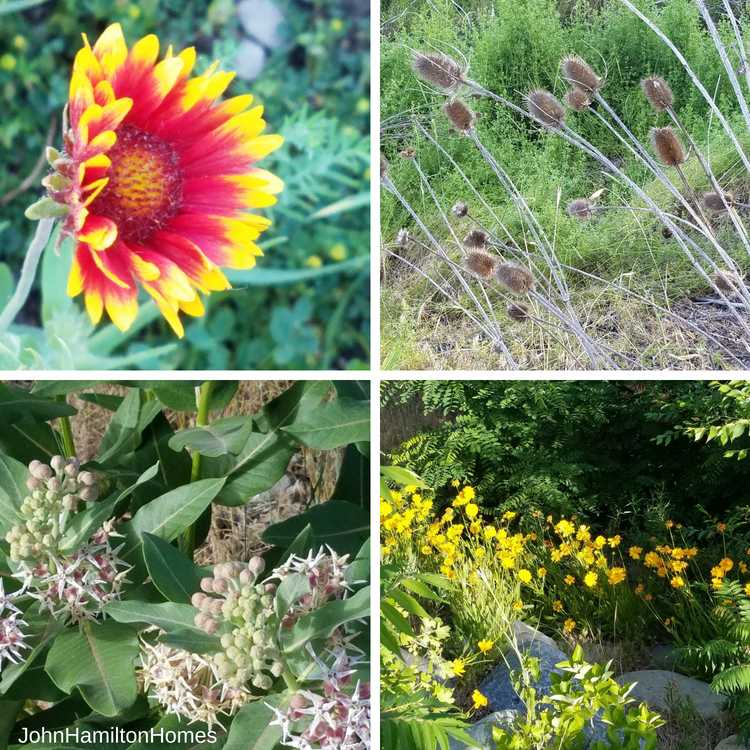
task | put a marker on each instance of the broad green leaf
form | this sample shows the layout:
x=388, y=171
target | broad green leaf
x=356, y=389
x=290, y=590
x=176, y=577
x=401, y=476
x=16, y=403
x=180, y=395
x=8, y=712
x=105, y=400
x=99, y=661
x=167, y=615
x=353, y=483
x=267, y=452
x=344, y=526
x=408, y=603
x=359, y=570
x=184, y=735
x=251, y=728
x=124, y=433
x=191, y=640
x=332, y=425
x=215, y=439
x=27, y=439
x=13, y=490
x=62, y=387
x=84, y=524
x=322, y=622
x=399, y=622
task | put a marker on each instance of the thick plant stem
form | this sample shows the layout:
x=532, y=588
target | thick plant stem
x=290, y=680
x=69, y=447
x=28, y=272
x=204, y=403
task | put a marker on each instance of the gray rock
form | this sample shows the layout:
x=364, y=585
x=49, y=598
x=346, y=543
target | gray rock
x=526, y=634
x=261, y=20
x=657, y=686
x=663, y=655
x=249, y=60
x=730, y=743
x=481, y=732
x=423, y=665
x=497, y=687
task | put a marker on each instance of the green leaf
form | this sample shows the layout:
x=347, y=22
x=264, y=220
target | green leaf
x=349, y=203
x=359, y=390
x=322, y=622
x=13, y=490
x=180, y=395
x=124, y=433
x=167, y=615
x=8, y=712
x=105, y=400
x=27, y=439
x=290, y=590
x=16, y=403
x=353, y=483
x=195, y=641
x=98, y=660
x=399, y=622
x=251, y=728
x=344, y=526
x=187, y=736
x=215, y=439
x=267, y=452
x=401, y=476
x=176, y=577
x=44, y=208
x=407, y=602
x=62, y=387
x=266, y=277
x=334, y=424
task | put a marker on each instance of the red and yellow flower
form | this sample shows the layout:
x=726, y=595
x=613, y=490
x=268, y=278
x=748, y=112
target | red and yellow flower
x=157, y=175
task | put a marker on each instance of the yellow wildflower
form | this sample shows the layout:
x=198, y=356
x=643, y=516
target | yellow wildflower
x=677, y=582
x=721, y=527
x=541, y=572
x=727, y=564
x=427, y=550
x=518, y=606
x=718, y=571
x=455, y=482
x=669, y=524
x=471, y=510
x=557, y=606
x=747, y=589
x=485, y=645
x=489, y=532
x=635, y=552
x=479, y=699
x=570, y=580
x=616, y=575
x=599, y=542
x=614, y=541
x=525, y=575
x=570, y=624
x=639, y=589
x=459, y=667
x=591, y=579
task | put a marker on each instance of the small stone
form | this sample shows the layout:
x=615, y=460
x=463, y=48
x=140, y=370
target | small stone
x=526, y=634
x=730, y=743
x=656, y=686
x=261, y=20
x=250, y=59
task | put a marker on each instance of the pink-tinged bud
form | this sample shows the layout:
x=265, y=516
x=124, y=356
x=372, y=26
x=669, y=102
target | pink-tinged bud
x=207, y=585
x=257, y=564
x=42, y=471
x=211, y=627
x=219, y=570
x=205, y=605
x=215, y=608
x=57, y=463
x=75, y=462
x=298, y=701
x=88, y=494
x=270, y=588
x=87, y=478
x=201, y=619
x=70, y=471
x=220, y=586
x=69, y=503
x=34, y=484
x=54, y=484
x=247, y=577
x=34, y=465
x=197, y=599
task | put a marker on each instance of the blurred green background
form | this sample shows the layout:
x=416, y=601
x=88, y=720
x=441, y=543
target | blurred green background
x=306, y=305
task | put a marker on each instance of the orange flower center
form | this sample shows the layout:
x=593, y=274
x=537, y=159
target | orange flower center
x=145, y=184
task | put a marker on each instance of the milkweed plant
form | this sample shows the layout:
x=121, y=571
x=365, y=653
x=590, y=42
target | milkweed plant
x=106, y=622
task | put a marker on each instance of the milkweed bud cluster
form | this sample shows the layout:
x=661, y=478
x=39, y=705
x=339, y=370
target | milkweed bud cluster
x=55, y=490
x=233, y=595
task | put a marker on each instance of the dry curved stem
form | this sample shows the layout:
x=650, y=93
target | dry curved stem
x=31, y=179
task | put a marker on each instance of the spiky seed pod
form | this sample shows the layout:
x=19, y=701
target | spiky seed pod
x=476, y=239
x=460, y=210
x=668, y=146
x=713, y=201
x=407, y=153
x=385, y=166
x=577, y=100
x=729, y=285
x=480, y=264
x=478, y=115
x=459, y=115
x=402, y=239
x=545, y=107
x=514, y=278
x=580, y=208
x=657, y=92
x=578, y=73
x=519, y=311
x=439, y=70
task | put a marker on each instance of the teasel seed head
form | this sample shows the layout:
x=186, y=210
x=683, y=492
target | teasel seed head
x=580, y=208
x=451, y=131
x=668, y=146
x=459, y=115
x=385, y=166
x=476, y=239
x=519, y=311
x=402, y=238
x=713, y=202
x=578, y=73
x=407, y=153
x=545, y=107
x=460, y=210
x=480, y=263
x=577, y=100
x=439, y=70
x=729, y=285
x=657, y=92
x=514, y=278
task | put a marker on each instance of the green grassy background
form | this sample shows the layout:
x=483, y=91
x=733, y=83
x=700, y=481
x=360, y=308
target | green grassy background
x=308, y=308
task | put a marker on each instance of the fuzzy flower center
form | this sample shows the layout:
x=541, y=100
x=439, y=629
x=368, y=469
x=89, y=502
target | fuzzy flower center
x=145, y=184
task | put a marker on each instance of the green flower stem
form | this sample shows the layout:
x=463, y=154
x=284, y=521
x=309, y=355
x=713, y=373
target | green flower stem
x=69, y=447
x=291, y=680
x=28, y=272
x=196, y=471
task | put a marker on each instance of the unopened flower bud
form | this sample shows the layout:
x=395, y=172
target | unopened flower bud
x=197, y=599
x=57, y=463
x=227, y=640
x=270, y=588
x=207, y=585
x=277, y=669
x=257, y=564
x=33, y=483
x=211, y=627
x=88, y=494
x=70, y=471
x=220, y=586
x=200, y=619
x=87, y=478
x=42, y=471
x=54, y=484
x=262, y=682
x=215, y=607
x=247, y=577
